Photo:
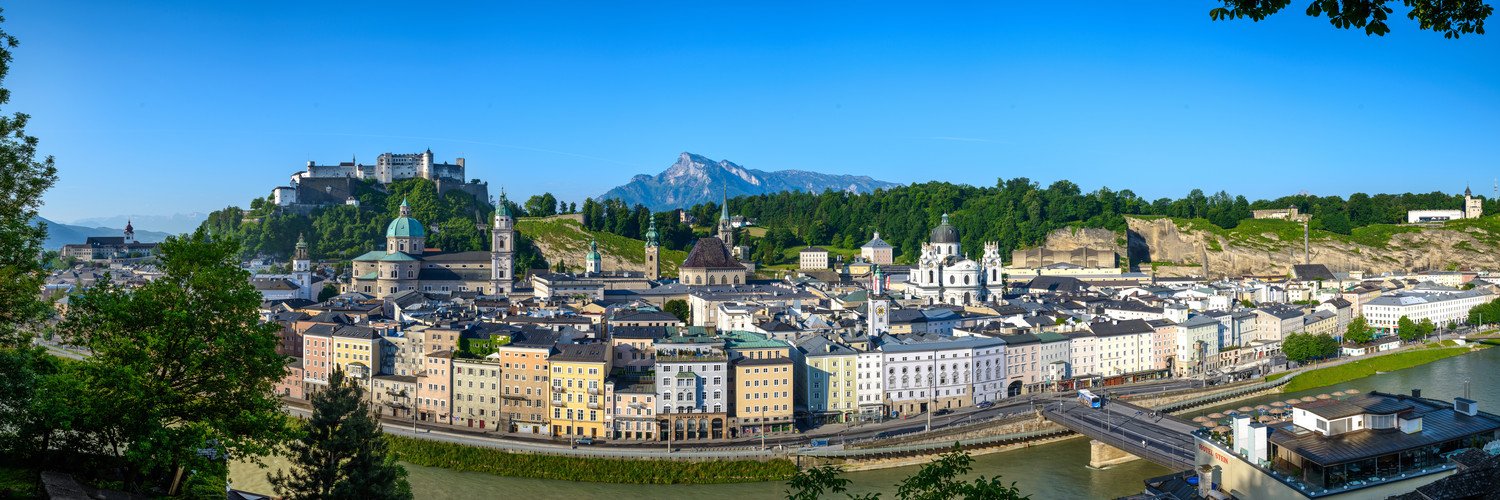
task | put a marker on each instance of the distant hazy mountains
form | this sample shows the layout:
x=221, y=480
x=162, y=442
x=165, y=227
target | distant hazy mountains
x=59, y=234
x=695, y=179
x=174, y=224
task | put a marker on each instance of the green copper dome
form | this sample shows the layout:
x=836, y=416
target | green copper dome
x=405, y=226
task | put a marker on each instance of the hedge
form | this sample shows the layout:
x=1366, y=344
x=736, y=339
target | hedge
x=600, y=470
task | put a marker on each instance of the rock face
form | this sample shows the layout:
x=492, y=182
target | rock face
x=696, y=179
x=1185, y=250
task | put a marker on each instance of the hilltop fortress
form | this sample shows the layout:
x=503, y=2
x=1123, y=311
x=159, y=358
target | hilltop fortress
x=333, y=184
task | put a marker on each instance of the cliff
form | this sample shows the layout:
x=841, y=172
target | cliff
x=562, y=238
x=1268, y=247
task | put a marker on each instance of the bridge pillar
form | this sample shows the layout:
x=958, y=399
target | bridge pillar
x=1102, y=455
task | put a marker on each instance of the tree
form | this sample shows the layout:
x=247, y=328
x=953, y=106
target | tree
x=1302, y=347
x=1359, y=331
x=1451, y=18
x=1408, y=329
x=679, y=308
x=24, y=178
x=328, y=292
x=188, y=356
x=937, y=480
x=340, y=452
x=811, y=483
x=1425, y=328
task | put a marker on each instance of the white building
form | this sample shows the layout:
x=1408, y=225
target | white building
x=1386, y=311
x=945, y=275
x=1198, y=345
x=869, y=390
x=812, y=258
x=1122, y=347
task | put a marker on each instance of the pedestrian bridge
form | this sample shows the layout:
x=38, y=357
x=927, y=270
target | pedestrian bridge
x=1127, y=428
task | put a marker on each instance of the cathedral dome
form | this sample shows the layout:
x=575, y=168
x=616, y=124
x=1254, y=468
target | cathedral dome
x=944, y=233
x=405, y=227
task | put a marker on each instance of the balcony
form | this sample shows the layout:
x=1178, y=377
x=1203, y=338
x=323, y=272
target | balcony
x=559, y=389
x=593, y=406
x=557, y=402
x=593, y=391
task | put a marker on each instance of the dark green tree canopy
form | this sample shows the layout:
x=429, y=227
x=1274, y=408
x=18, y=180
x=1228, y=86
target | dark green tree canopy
x=1452, y=18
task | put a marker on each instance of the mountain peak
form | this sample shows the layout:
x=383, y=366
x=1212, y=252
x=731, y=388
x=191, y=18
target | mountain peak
x=695, y=179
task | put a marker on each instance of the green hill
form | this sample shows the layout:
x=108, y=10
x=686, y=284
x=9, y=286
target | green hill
x=562, y=238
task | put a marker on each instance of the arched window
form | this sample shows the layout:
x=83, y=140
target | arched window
x=966, y=279
x=930, y=277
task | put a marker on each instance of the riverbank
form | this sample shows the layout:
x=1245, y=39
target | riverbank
x=460, y=457
x=1355, y=370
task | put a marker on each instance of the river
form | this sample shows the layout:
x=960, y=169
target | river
x=1055, y=470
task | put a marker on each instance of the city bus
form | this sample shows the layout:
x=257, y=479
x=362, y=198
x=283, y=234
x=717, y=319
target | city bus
x=1089, y=398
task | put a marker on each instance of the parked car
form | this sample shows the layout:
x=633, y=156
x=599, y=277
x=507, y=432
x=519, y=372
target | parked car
x=985, y=405
x=586, y=441
x=942, y=412
x=817, y=442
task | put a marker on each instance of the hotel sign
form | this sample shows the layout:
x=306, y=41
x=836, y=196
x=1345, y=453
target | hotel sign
x=1207, y=454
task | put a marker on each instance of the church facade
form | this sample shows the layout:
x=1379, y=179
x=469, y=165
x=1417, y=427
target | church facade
x=945, y=275
x=406, y=264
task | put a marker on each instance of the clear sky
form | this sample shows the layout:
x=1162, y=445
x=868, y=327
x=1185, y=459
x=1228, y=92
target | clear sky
x=167, y=107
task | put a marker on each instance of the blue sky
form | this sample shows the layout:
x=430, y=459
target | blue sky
x=166, y=107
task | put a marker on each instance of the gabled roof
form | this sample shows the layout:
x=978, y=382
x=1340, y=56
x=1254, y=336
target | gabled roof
x=710, y=253
x=1127, y=327
x=1312, y=272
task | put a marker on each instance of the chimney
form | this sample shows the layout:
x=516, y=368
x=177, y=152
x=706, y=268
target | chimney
x=1466, y=406
x=1205, y=480
x=1416, y=393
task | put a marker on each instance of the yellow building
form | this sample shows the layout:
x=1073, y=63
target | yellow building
x=356, y=351
x=829, y=379
x=763, y=393
x=762, y=389
x=580, y=396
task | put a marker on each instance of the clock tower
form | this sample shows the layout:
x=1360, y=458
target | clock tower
x=502, y=248
x=878, y=315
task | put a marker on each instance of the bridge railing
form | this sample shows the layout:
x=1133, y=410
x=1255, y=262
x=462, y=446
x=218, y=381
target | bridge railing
x=1216, y=397
x=928, y=448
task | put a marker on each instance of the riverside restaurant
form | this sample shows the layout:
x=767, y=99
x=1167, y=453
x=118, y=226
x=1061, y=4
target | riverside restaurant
x=1355, y=446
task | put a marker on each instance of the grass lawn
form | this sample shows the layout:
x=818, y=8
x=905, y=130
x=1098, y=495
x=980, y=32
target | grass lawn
x=1367, y=367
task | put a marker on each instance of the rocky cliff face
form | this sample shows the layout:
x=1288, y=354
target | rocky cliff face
x=1186, y=248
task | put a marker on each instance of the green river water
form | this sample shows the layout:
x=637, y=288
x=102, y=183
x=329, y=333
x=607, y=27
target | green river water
x=1056, y=470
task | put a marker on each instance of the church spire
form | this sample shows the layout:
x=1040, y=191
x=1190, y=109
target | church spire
x=723, y=203
x=405, y=208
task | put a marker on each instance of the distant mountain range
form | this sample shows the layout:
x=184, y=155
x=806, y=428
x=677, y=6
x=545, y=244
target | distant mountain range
x=174, y=224
x=696, y=179
x=59, y=234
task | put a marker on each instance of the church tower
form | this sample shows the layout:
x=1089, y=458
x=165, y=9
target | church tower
x=726, y=228
x=592, y=261
x=653, y=253
x=302, y=270
x=502, y=248
x=129, y=233
x=1473, y=207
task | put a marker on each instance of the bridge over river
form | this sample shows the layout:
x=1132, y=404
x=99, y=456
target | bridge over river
x=1142, y=432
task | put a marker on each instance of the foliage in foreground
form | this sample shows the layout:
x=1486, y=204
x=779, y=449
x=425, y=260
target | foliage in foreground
x=605, y=470
x=341, y=452
x=938, y=480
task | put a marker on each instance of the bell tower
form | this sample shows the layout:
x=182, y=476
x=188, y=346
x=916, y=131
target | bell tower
x=502, y=248
x=653, y=253
x=302, y=269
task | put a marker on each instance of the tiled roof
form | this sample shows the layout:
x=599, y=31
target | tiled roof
x=710, y=253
